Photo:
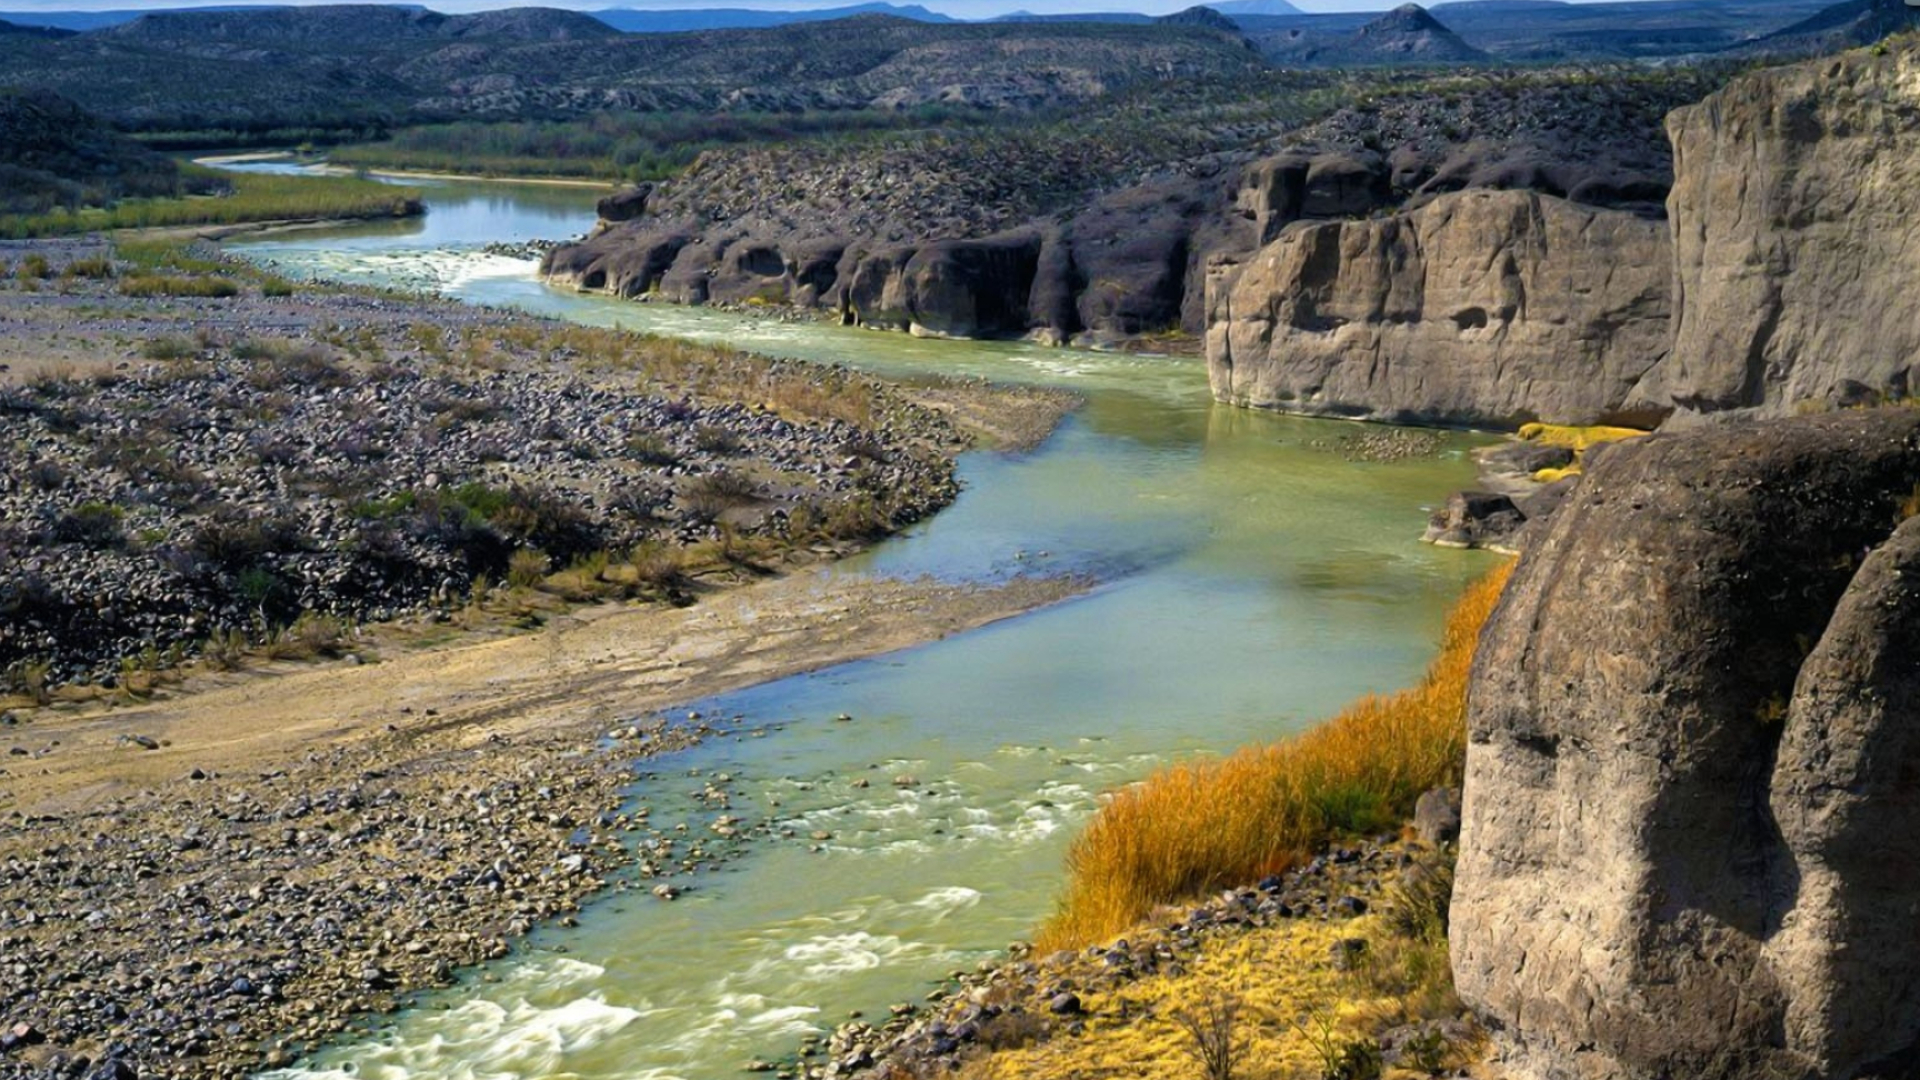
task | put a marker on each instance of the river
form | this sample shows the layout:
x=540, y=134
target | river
x=1251, y=580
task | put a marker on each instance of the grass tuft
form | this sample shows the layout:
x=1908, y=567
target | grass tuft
x=1199, y=826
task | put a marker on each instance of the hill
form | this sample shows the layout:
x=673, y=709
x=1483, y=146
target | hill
x=1547, y=30
x=58, y=155
x=1840, y=26
x=1407, y=35
x=672, y=20
x=357, y=66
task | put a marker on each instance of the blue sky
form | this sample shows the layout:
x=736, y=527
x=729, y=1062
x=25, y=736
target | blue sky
x=971, y=9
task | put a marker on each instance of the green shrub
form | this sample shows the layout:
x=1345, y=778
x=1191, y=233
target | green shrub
x=149, y=285
x=526, y=568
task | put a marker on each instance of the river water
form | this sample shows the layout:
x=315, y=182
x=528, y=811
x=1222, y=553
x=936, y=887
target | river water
x=1251, y=580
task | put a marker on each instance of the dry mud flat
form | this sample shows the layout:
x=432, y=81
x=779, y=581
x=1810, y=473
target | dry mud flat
x=203, y=883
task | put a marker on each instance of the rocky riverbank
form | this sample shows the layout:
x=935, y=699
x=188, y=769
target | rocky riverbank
x=185, y=468
x=1336, y=924
x=200, y=881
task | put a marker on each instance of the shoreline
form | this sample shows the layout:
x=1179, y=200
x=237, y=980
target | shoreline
x=481, y=786
x=217, y=160
x=266, y=856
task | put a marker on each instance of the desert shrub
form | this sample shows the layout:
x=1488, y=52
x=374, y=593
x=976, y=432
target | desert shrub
x=31, y=677
x=275, y=286
x=1214, y=1036
x=1202, y=825
x=46, y=474
x=95, y=525
x=715, y=440
x=1013, y=1029
x=526, y=568
x=308, y=366
x=649, y=448
x=862, y=517
x=166, y=347
x=33, y=267
x=1419, y=906
x=225, y=650
x=96, y=268
x=707, y=497
x=233, y=541
x=149, y=285
x=658, y=567
x=311, y=635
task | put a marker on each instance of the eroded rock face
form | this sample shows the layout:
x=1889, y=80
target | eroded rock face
x=1694, y=728
x=1796, y=224
x=1481, y=307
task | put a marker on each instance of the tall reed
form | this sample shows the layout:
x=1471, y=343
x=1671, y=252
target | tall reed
x=1202, y=825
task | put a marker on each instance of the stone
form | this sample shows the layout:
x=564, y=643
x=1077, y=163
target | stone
x=1473, y=519
x=624, y=205
x=1796, y=224
x=1436, y=816
x=1484, y=308
x=1524, y=457
x=1065, y=1003
x=1688, y=724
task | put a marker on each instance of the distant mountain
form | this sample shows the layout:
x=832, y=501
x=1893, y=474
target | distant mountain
x=95, y=20
x=352, y=68
x=32, y=31
x=327, y=26
x=1205, y=17
x=1545, y=30
x=1236, y=8
x=1842, y=26
x=666, y=20
x=1134, y=18
x=1407, y=36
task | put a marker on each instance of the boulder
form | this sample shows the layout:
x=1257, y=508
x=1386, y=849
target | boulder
x=1489, y=308
x=1436, y=816
x=624, y=205
x=1796, y=224
x=1524, y=457
x=1693, y=724
x=951, y=288
x=1474, y=519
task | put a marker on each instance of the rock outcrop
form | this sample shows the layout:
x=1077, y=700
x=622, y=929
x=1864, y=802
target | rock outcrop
x=1481, y=307
x=1796, y=224
x=1690, y=812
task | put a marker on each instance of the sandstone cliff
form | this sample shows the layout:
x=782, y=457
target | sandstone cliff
x=1483, y=307
x=1690, y=822
x=1796, y=225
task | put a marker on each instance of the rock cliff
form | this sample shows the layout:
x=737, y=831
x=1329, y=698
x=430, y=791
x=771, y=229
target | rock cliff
x=1124, y=236
x=1690, y=816
x=1482, y=307
x=1796, y=225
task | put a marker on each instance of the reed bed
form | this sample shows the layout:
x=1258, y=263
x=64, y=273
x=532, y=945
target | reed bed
x=252, y=197
x=1198, y=826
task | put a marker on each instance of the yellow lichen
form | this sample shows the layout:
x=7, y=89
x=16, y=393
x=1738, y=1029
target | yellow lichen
x=1575, y=437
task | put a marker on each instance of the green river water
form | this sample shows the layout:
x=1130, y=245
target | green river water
x=1251, y=580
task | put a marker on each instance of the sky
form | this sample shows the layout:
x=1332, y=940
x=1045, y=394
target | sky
x=966, y=9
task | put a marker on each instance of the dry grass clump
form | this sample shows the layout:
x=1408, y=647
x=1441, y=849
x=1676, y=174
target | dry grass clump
x=1203, y=825
x=1272, y=1004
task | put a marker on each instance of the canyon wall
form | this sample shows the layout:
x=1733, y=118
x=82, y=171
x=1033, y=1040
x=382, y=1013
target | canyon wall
x=1480, y=307
x=1796, y=227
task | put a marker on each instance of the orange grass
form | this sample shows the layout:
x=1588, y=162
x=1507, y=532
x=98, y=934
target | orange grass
x=1203, y=825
